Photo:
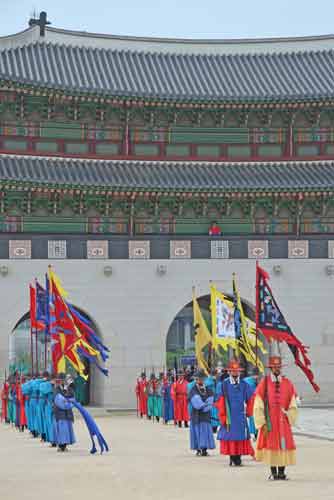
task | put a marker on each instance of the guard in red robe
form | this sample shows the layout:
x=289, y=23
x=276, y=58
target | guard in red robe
x=180, y=398
x=235, y=404
x=4, y=402
x=21, y=401
x=141, y=393
x=275, y=411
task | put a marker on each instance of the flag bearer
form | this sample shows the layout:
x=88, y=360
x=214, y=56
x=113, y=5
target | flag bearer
x=233, y=405
x=275, y=411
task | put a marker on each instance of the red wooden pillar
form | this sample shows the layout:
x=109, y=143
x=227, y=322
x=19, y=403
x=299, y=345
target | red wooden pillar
x=290, y=142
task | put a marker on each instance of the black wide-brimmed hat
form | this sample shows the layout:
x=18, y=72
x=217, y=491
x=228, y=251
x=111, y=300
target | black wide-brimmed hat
x=200, y=374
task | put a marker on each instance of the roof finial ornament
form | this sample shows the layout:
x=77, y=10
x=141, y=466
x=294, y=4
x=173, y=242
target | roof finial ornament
x=41, y=22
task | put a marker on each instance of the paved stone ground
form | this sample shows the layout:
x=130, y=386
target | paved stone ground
x=316, y=422
x=151, y=461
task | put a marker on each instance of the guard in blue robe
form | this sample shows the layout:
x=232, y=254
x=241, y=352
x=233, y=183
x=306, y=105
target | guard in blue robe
x=17, y=405
x=211, y=384
x=12, y=401
x=167, y=402
x=63, y=415
x=201, y=401
x=27, y=390
x=154, y=401
x=46, y=390
x=189, y=389
x=233, y=405
x=41, y=408
x=34, y=402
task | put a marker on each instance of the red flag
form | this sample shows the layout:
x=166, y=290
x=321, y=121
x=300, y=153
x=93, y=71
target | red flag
x=63, y=316
x=33, y=321
x=271, y=322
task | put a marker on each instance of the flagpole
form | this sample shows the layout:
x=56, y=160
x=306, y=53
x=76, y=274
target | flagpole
x=45, y=349
x=35, y=322
x=234, y=286
x=31, y=349
x=36, y=347
x=193, y=291
x=31, y=328
x=256, y=319
x=45, y=336
x=256, y=347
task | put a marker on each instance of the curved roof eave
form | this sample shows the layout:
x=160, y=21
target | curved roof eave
x=280, y=77
x=127, y=175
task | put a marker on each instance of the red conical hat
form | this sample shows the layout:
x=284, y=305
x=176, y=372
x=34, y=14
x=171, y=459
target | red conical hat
x=234, y=365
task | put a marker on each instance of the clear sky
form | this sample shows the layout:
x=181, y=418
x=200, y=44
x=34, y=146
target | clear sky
x=177, y=18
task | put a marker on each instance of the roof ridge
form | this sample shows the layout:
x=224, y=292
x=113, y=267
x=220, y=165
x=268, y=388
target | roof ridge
x=166, y=162
x=209, y=41
x=50, y=43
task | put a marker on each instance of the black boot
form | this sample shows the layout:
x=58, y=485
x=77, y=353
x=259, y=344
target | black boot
x=186, y=424
x=235, y=460
x=180, y=424
x=198, y=453
x=157, y=419
x=205, y=452
x=281, y=473
x=273, y=475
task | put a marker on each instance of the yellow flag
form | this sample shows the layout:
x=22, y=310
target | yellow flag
x=251, y=333
x=202, y=336
x=73, y=357
x=53, y=276
x=61, y=365
x=222, y=320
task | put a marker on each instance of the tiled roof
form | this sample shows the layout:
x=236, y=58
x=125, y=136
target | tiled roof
x=150, y=175
x=183, y=77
